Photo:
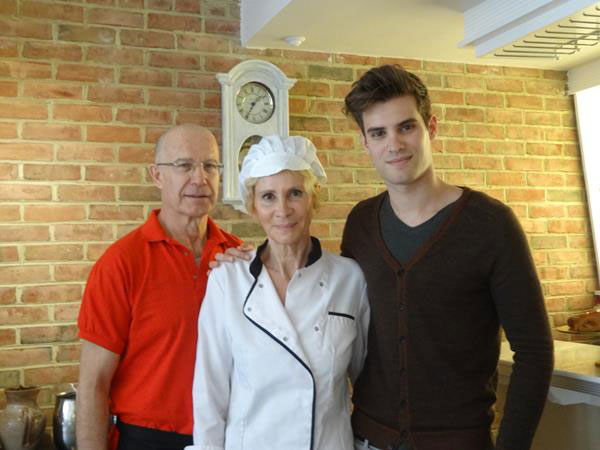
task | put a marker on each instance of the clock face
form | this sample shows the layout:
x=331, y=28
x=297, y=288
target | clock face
x=255, y=102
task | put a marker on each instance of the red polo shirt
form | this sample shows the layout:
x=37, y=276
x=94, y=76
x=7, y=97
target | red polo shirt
x=142, y=301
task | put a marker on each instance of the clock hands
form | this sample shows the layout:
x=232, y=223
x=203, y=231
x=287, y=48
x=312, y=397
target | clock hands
x=253, y=104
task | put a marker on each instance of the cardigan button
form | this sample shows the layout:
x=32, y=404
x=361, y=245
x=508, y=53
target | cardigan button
x=401, y=339
x=401, y=306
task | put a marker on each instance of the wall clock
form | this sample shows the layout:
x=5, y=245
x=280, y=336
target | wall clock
x=254, y=101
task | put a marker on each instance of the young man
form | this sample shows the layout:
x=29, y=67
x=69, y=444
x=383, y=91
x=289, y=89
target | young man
x=446, y=266
x=139, y=314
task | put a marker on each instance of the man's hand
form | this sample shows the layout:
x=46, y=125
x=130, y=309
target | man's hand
x=231, y=254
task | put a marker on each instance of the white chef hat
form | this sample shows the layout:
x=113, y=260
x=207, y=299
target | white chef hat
x=274, y=154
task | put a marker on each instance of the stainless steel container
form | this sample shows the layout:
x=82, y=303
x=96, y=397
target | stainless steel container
x=63, y=421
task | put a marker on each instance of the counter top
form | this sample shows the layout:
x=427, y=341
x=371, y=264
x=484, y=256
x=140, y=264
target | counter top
x=575, y=379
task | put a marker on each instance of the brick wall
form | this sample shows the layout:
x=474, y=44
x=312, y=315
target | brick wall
x=87, y=86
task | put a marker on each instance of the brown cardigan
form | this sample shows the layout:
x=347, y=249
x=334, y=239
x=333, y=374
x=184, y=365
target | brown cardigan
x=430, y=374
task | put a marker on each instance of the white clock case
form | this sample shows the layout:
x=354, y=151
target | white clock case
x=235, y=129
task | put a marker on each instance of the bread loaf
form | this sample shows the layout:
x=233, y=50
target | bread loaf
x=589, y=321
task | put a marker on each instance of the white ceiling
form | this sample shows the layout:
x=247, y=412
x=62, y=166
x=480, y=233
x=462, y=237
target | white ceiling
x=414, y=29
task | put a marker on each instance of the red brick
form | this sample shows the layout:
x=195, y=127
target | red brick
x=567, y=226
x=7, y=131
x=46, y=131
x=22, y=110
x=80, y=72
x=100, y=133
x=25, y=29
x=66, y=313
x=311, y=88
x=10, y=213
x=190, y=6
x=93, y=35
x=451, y=130
x=54, y=252
x=482, y=162
x=409, y=64
x=545, y=180
x=52, y=293
x=212, y=100
x=170, y=97
x=446, y=162
x=539, y=118
x=52, y=10
x=566, y=195
x=51, y=172
x=83, y=232
x=193, y=80
x=9, y=254
x=567, y=257
x=574, y=180
x=207, y=119
x=333, y=142
x=505, y=179
x=94, y=251
x=51, y=375
x=42, y=50
x=525, y=133
x=505, y=148
x=68, y=353
x=202, y=43
x=105, y=16
x=461, y=82
x=541, y=87
x=563, y=165
x=84, y=152
x=18, y=275
x=524, y=101
x=297, y=105
x=175, y=60
x=48, y=334
x=477, y=99
x=561, y=134
x=544, y=149
x=22, y=357
x=326, y=108
x=524, y=164
x=23, y=192
x=461, y=146
x=113, y=174
x=73, y=272
x=349, y=159
x=8, y=88
x=51, y=90
x=216, y=10
x=484, y=131
x=298, y=123
x=447, y=97
x=8, y=7
x=135, y=154
x=504, y=116
x=108, y=212
x=220, y=63
x=331, y=73
x=86, y=193
x=566, y=288
x=526, y=195
x=111, y=55
x=139, y=193
x=54, y=213
x=217, y=26
x=8, y=171
x=144, y=116
x=546, y=211
x=165, y=5
x=104, y=94
x=8, y=48
x=8, y=337
x=464, y=114
x=559, y=103
x=152, y=39
x=145, y=77
x=504, y=85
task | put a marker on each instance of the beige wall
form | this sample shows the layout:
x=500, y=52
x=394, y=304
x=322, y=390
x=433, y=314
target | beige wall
x=87, y=86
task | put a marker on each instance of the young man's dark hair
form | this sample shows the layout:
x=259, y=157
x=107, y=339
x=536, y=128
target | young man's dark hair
x=384, y=83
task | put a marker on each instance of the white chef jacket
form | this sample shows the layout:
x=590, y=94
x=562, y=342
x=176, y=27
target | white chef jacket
x=270, y=376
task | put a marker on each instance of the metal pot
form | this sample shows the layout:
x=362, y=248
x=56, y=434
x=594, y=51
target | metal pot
x=63, y=421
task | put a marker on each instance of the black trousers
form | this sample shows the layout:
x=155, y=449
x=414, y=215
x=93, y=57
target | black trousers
x=133, y=437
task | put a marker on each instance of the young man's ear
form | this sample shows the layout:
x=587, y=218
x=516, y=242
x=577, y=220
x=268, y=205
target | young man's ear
x=432, y=126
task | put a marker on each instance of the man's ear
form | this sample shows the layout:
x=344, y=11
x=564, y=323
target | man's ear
x=156, y=175
x=432, y=126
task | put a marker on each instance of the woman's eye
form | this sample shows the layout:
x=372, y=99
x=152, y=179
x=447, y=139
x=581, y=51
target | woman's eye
x=296, y=193
x=268, y=196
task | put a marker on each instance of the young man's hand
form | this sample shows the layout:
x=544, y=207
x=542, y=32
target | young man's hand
x=231, y=254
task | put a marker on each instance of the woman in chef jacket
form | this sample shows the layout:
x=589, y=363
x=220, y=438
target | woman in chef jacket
x=280, y=334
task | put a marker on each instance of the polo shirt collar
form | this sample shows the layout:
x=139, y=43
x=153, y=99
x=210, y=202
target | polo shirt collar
x=153, y=230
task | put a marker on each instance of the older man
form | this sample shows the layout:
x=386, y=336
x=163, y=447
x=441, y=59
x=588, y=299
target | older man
x=138, y=318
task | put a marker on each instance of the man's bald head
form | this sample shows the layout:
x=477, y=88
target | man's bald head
x=186, y=134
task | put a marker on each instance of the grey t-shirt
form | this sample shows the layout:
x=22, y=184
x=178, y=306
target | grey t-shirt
x=402, y=240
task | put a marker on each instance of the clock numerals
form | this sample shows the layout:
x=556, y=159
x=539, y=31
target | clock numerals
x=255, y=103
